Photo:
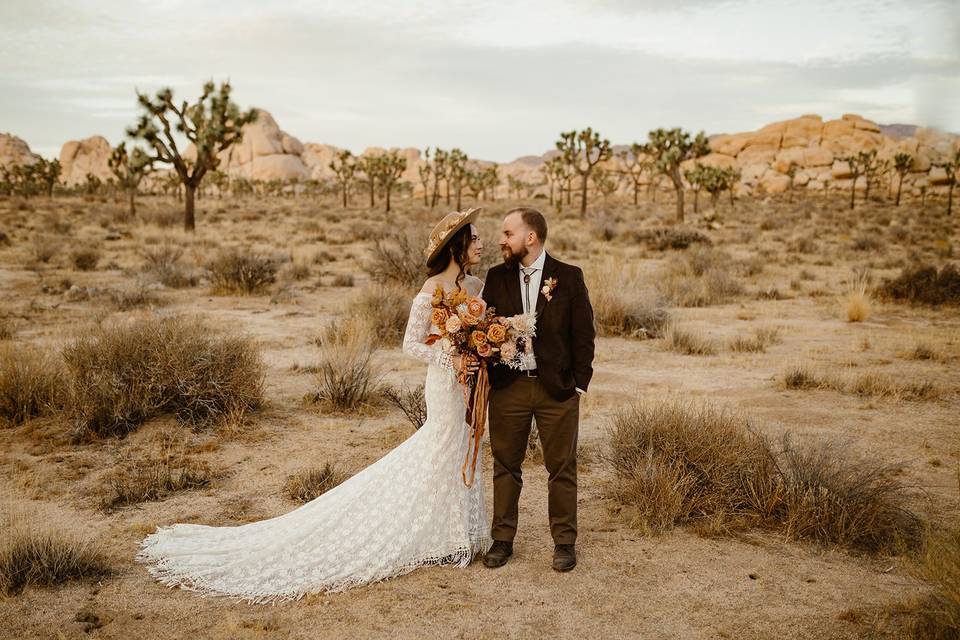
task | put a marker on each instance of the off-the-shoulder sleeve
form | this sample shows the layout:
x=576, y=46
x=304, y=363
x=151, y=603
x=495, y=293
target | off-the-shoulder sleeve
x=418, y=328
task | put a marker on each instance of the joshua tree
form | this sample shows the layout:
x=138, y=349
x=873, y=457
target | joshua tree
x=583, y=150
x=858, y=165
x=213, y=124
x=669, y=148
x=370, y=166
x=605, y=181
x=440, y=172
x=389, y=169
x=344, y=167
x=491, y=178
x=695, y=179
x=425, y=169
x=456, y=171
x=130, y=169
x=901, y=164
x=635, y=164
x=873, y=170
x=47, y=174
x=716, y=180
x=93, y=185
x=220, y=180
x=952, y=166
x=792, y=174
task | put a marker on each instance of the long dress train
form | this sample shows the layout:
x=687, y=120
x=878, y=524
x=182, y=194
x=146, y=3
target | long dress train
x=407, y=510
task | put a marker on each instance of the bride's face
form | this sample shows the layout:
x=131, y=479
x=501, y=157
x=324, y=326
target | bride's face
x=475, y=250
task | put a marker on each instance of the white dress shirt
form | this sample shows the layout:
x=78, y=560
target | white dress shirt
x=530, y=361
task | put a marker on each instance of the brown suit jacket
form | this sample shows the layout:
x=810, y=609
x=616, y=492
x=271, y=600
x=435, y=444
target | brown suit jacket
x=564, y=344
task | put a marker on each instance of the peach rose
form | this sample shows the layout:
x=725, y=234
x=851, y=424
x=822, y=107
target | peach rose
x=476, y=307
x=469, y=319
x=453, y=324
x=484, y=350
x=479, y=337
x=497, y=333
x=439, y=317
x=508, y=350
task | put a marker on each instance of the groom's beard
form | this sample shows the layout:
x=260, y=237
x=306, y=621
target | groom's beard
x=512, y=258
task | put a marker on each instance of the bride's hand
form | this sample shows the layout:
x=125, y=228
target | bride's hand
x=473, y=365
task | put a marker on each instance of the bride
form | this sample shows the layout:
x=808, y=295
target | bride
x=409, y=509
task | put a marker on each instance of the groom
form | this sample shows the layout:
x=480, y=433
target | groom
x=547, y=388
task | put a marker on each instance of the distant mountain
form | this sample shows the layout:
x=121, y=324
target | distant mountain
x=898, y=131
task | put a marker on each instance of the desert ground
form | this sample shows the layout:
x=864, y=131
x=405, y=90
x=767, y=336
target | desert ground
x=796, y=275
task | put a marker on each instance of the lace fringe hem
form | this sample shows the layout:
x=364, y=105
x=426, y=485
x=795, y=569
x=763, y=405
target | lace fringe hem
x=171, y=576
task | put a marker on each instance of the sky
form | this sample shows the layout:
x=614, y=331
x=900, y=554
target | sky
x=497, y=79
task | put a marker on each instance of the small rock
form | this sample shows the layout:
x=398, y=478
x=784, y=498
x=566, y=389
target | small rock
x=113, y=234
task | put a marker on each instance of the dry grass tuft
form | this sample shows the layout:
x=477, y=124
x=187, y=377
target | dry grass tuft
x=621, y=307
x=85, y=258
x=761, y=338
x=938, y=615
x=121, y=375
x=386, y=307
x=678, y=462
x=162, y=264
x=166, y=468
x=31, y=383
x=346, y=375
x=699, y=277
x=241, y=271
x=309, y=484
x=399, y=260
x=35, y=552
x=923, y=284
x=689, y=343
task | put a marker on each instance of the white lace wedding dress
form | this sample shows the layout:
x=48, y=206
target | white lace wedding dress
x=407, y=510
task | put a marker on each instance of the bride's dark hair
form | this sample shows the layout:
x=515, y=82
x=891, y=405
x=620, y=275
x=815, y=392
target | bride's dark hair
x=456, y=249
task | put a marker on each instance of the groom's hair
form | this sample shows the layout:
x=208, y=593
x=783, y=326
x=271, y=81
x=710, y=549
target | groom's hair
x=533, y=219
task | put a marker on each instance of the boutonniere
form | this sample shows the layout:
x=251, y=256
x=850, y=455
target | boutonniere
x=547, y=289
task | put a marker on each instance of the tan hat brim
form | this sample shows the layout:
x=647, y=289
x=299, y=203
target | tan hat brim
x=470, y=216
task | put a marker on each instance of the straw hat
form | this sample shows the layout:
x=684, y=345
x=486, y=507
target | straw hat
x=446, y=228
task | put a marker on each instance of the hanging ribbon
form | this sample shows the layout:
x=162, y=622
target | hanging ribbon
x=476, y=418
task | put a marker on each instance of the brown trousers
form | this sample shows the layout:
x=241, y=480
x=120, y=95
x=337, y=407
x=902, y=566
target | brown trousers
x=511, y=411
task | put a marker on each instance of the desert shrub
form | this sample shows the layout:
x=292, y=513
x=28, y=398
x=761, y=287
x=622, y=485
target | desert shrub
x=689, y=343
x=309, y=484
x=386, y=308
x=398, y=259
x=121, y=375
x=411, y=402
x=924, y=285
x=34, y=551
x=136, y=296
x=44, y=247
x=166, y=468
x=938, y=615
x=346, y=375
x=699, y=277
x=758, y=341
x=241, y=271
x=162, y=218
x=162, y=264
x=663, y=238
x=678, y=462
x=866, y=242
x=342, y=280
x=31, y=382
x=85, y=258
x=868, y=384
x=623, y=308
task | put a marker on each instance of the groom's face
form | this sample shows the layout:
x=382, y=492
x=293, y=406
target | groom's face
x=513, y=239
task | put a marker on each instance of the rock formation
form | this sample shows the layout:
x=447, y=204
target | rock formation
x=80, y=157
x=14, y=150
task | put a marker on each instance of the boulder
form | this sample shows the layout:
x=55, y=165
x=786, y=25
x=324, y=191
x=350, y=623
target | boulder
x=817, y=157
x=841, y=170
x=278, y=166
x=14, y=151
x=785, y=157
x=773, y=182
x=80, y=157
x=729, y=145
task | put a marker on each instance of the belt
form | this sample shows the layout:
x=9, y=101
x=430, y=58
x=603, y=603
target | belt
x=530, y=373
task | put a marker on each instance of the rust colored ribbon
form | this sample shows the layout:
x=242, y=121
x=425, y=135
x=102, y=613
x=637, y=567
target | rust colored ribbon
x=476, y=418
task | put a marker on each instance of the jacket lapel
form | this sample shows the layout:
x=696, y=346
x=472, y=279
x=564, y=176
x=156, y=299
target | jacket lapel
x=549, y=270
x=512, y=274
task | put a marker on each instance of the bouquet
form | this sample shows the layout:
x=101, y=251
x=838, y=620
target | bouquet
x=465, y=326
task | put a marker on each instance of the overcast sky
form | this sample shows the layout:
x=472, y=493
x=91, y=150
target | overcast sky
x=498, y=79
